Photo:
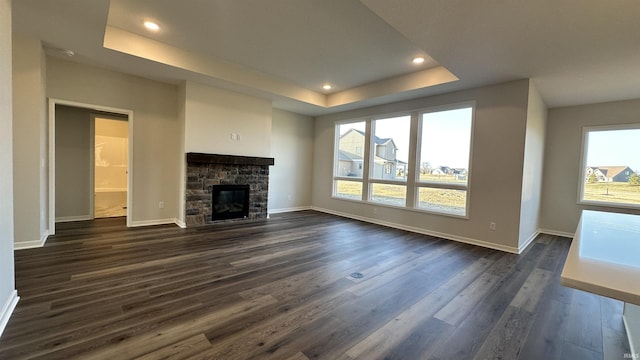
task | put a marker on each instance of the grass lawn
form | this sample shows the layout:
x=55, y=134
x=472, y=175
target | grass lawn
x=612, y=192
x=441, y=200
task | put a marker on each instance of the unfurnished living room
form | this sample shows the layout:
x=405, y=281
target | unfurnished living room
x=319, y=179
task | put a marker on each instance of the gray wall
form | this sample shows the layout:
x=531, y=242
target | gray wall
x=496, y=173
x=30, y=158
x=73, y=163
x=292, y=148
x=156, y=142
x=532, y=167
x=560, y=208
x=8, y=295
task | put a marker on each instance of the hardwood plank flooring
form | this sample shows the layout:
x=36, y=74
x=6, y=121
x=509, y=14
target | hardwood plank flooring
x=282, y=289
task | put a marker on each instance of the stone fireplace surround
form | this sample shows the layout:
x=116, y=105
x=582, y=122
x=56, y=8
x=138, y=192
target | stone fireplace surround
x=207, y=170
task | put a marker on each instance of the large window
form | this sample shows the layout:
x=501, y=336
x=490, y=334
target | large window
x=389, y=160
x=418, y=160
x=444, y=160
x=349, y=160
x=610, y=166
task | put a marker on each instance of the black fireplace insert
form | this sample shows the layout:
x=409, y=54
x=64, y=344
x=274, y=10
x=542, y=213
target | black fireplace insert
x=229, y=202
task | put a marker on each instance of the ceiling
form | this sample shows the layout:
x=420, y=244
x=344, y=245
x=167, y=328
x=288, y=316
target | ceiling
x=576, y=51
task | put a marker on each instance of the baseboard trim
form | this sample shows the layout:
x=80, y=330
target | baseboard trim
x=21, y=245
x=556, y=233
x=153, y=222
x=73, y=218
x=180, y=223
x=292, y=209
x=7, y=309
x=528, y=242
x=457, y=238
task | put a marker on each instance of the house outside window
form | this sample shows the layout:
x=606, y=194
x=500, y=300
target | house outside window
x=434, y=180
x=610, y=166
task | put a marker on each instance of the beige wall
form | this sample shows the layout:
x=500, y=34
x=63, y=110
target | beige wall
x=212, y=115
x=292, y=149
x=532, y=167
x=30, y=159
x=156, y=144
x=8, y=295
x=73, y=164
x=560, y=210
x=496, y=170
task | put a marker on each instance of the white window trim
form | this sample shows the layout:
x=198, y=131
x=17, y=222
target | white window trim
x=412, y=182
x=583, y=167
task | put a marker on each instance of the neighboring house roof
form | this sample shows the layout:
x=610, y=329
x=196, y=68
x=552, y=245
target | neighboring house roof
x=377, y=140
x=347, y=156
x=379, y=159
x=610, y=171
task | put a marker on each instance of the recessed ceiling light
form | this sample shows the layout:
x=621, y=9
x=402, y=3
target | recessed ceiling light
x=327, y=86
x=151, y=25
x=418, y=60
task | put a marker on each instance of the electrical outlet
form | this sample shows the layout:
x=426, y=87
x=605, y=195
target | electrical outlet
x=492, y=226
x=161, y=205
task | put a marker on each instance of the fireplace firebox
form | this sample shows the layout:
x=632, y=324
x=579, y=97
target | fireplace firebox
x=229, y=202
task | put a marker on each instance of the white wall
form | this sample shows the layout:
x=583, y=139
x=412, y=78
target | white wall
x=560, y=210
x=533, y=167
x=212, y=115
x=73, y=164
x=156, y=144
x=496, y=174
x=8, y=294
x=30, y=157
x=292, y=149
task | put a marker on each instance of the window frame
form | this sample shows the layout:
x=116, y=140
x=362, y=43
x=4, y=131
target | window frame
x=336, y=160
x=371, y=158
x=412, y=176
x=583, y=166
x=444, y=185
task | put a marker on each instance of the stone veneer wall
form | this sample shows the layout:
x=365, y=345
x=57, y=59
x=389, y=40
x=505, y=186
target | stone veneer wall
x=206, y=170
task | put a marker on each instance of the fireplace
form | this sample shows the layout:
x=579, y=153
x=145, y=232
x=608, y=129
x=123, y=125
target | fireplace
x=225, y=188
x=229, y=202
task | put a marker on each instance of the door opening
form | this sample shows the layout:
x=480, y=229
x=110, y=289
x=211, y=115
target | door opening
x=111, y=153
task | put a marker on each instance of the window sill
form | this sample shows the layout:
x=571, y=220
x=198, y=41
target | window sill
x=404, y=208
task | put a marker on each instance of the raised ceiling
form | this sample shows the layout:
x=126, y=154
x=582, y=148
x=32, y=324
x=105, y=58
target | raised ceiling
x=285, y=50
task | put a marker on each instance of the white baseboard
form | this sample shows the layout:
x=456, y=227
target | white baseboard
x=180, y=223
x=527, y=242
x=73, y=218
x=21, y=245
x=556, y=233
x=457, y=238
x=7, y=309
x=286, y=210
x=153, y=222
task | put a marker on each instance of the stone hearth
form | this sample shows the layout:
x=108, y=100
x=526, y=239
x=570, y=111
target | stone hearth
x=207, y=170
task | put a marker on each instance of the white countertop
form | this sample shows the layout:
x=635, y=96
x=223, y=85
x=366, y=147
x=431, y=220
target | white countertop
x=604, y=257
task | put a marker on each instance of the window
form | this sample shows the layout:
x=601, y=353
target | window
x=384, y=171
x=349, y=160
x=444, y=160
x=610, y=166
x=389, y=160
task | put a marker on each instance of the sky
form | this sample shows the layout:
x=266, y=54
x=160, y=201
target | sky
x=614, y=148
x=446, y=136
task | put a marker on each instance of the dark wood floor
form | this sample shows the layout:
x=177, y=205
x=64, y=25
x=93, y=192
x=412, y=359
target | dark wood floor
x=281, y=289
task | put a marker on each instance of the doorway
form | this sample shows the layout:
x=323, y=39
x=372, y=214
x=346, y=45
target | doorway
x=72, y=174
x=111, y=153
